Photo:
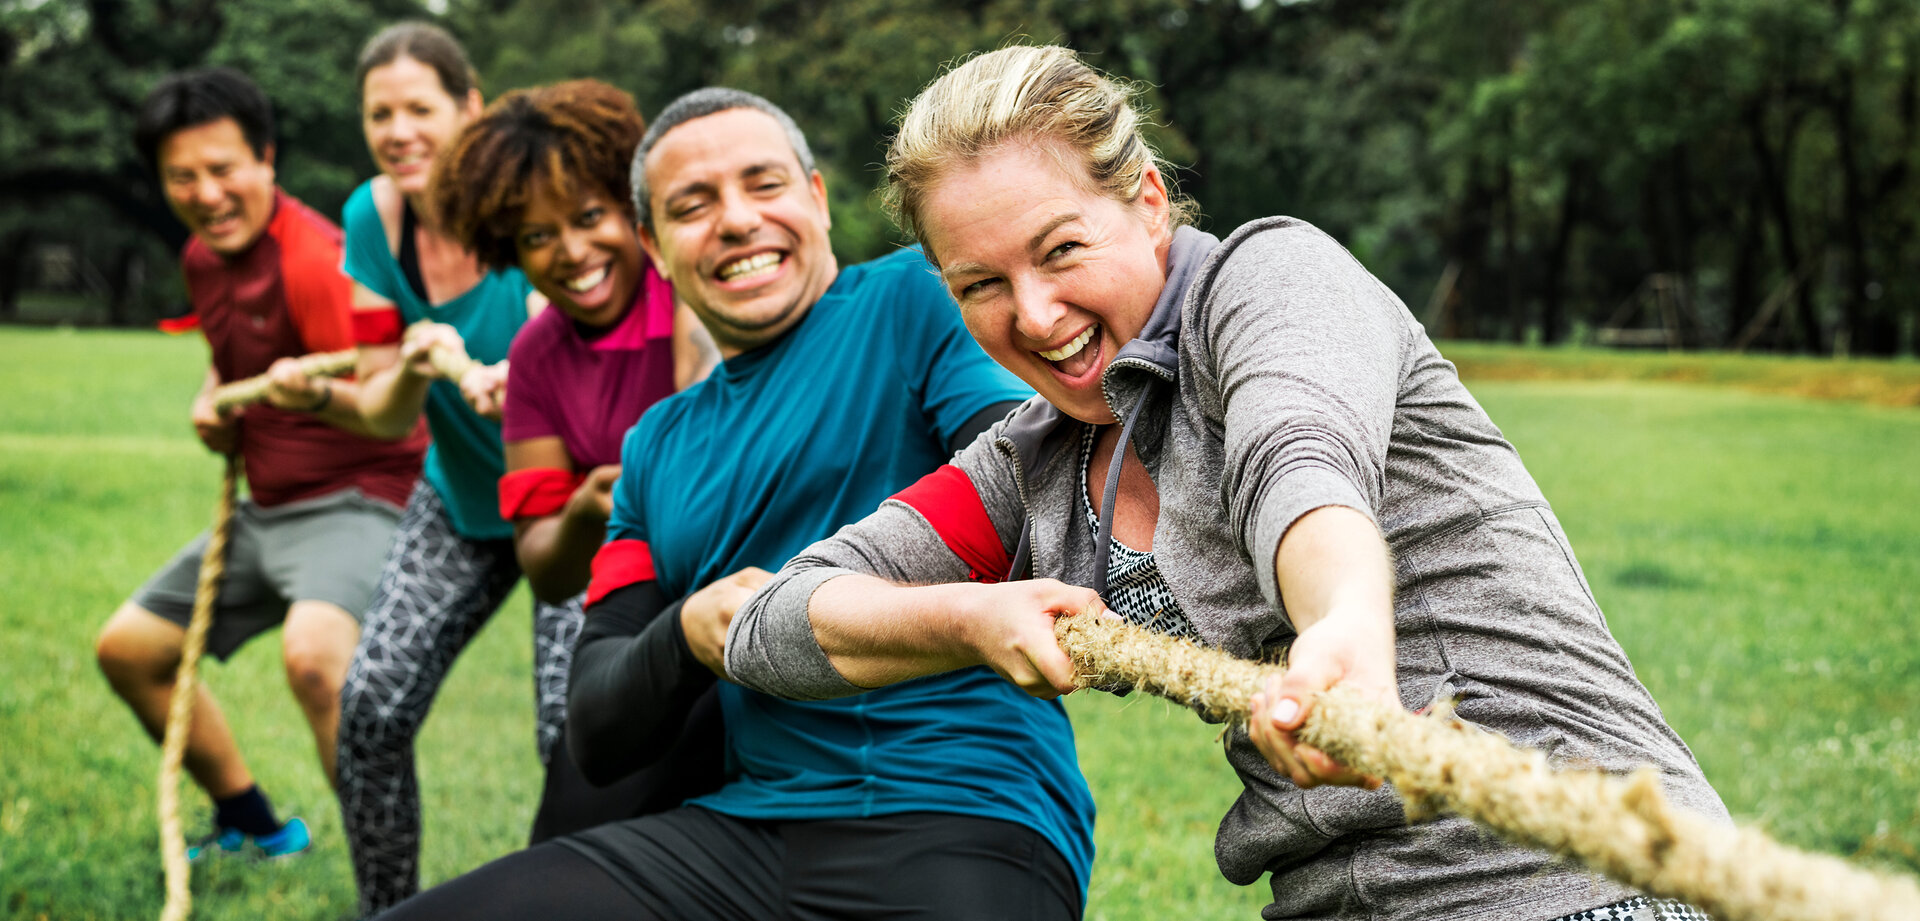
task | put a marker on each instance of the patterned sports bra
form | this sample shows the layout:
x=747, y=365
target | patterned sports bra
x=1135, y=588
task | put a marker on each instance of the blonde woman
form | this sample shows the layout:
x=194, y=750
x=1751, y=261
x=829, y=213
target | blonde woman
x=1249, y=441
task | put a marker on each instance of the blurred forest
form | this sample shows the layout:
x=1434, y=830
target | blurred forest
x=1671, y=173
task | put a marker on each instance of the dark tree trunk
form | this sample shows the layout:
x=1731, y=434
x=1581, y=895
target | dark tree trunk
x=1513, y=307
x=124, y=287
x=1856, y=271
x=1773, y=184
x=1552, y=308
x=1467, y=245
x=1685, y=226
x=14, y=248
x=1749, y=253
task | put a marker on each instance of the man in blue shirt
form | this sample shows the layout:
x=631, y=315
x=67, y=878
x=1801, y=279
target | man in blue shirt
x=955, y=795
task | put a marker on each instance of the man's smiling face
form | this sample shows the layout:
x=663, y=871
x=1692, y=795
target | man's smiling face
x=218, y=186
x=739, y=227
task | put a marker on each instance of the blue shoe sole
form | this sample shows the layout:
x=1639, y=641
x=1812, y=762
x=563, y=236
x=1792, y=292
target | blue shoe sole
x=291, y=840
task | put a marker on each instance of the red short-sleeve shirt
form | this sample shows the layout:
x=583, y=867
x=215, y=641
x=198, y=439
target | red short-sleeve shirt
x=285, y=296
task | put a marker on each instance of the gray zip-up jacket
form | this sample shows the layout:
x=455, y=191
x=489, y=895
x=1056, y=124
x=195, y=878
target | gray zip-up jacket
x=1277, y=376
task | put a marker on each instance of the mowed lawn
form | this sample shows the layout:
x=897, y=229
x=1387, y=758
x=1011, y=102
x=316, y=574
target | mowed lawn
x=1758, y=556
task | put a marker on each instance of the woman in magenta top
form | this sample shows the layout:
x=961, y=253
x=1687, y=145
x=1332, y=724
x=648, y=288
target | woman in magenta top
x=540, y=182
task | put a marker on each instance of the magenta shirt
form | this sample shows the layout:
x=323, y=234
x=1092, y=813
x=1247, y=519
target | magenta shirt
x=588, y=393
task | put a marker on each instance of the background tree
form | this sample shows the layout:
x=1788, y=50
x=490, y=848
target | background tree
x=1737, y=172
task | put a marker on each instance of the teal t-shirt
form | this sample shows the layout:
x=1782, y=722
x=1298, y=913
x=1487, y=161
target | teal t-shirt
x=780, y=447
x=466, y=460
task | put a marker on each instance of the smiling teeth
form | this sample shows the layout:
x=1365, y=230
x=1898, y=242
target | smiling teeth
x=588, y=281
x=1072, y=348
x=752, y=265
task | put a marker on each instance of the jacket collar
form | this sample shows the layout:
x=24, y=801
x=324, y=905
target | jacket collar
x=1158, y=345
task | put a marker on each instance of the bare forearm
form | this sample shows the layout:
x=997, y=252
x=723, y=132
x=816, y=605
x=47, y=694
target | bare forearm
x=876, y=633
x=1334, y=560
x=556, y=552
x=1335, y=575
x=342, y=408
x=208, y=384
x=388, y=401
x=884, y=600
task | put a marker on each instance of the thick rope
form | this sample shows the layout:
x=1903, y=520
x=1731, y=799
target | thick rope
x=452, y=363
x=1623, y=827
x=173, y=847
x=254, y=389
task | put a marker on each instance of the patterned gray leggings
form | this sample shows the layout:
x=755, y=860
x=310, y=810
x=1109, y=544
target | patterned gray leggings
x=436, y=590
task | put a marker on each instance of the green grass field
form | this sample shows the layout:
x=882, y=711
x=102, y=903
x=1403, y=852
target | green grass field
x=1757, y=555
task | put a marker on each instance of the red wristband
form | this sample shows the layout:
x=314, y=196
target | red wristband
x=619, y=564
x=380, y=326
x=537, y=492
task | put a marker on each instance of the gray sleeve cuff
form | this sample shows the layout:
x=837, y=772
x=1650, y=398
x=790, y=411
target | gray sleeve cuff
x=770, y=643
x=1298, y=491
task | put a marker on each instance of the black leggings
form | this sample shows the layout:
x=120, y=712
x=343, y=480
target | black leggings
x=696, y=865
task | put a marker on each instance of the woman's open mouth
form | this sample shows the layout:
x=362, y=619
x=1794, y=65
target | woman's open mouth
x=1074, y=359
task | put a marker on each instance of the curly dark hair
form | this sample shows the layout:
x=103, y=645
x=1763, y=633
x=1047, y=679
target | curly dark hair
x=574, y=136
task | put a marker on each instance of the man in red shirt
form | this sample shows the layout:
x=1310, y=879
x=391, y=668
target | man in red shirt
x=262, y=273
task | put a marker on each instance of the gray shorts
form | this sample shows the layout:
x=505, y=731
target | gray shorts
x=323, y=549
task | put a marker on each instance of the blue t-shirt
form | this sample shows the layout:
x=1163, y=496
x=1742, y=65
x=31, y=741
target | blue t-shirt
x=466, y=461
x=780, y=447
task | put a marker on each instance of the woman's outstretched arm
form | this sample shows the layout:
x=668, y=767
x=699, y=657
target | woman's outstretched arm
x=1336, y=578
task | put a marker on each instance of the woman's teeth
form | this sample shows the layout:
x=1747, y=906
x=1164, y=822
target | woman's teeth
x=749, y=267
x=581, y=284
x=1072, y=348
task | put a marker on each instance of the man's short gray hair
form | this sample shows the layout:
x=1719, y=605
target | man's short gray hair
x=697, y=104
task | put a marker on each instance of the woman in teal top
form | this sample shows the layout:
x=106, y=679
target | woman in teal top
x=452, y=560
x=465, y=462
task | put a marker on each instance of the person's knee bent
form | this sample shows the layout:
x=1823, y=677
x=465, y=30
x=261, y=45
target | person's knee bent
x=317, y=645
x=374, y=717
x=137, y=646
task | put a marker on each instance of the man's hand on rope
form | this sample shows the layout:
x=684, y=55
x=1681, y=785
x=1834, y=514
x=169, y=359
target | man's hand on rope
x=1352, y=649
x=705, y=616
x=592, y=500
x=219, y=431
x=485, y=387
x=290, y=387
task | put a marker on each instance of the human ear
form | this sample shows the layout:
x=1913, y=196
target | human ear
x=818, y=187
x=1155, y=204
x=651, y=246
